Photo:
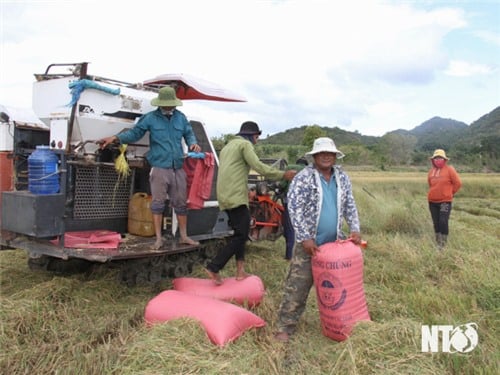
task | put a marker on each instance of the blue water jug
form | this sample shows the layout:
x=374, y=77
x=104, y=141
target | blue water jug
x=43, y=177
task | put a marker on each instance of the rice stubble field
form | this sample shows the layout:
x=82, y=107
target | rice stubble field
x=93, y=324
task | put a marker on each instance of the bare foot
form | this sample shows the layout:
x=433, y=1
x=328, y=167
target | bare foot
x=188, y=241
x=214, y=276
x=242, y=276
x=157, y=245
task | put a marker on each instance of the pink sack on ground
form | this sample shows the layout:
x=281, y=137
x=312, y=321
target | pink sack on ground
x=338, y=279
x=247, y=292
x=223, y=322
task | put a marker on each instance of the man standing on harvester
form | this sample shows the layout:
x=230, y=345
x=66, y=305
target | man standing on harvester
x=167, y=128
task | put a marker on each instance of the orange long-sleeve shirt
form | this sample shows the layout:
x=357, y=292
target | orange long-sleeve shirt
x=443, y=184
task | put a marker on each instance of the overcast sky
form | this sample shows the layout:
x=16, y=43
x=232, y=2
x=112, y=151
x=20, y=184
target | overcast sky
x=365, y=65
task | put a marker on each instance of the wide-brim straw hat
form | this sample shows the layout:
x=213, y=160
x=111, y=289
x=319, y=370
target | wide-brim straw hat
x=439, y=153
x=166, y=98
x=325, y=144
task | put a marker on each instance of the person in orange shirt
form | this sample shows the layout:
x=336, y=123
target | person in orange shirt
x=444, y=183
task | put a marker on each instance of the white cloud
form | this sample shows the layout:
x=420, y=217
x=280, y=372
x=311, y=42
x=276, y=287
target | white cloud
x=297, y=62
x=466, y=69
x=489, y=36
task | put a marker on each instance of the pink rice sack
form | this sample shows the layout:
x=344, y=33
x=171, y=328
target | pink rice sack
x=338, y=278
x=223, y=322
x=247, y=292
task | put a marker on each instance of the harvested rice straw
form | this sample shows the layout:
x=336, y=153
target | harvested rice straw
x=121, y=165
x=122, y=169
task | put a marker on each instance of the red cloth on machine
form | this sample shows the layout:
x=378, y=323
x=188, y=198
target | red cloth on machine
x=200, y=174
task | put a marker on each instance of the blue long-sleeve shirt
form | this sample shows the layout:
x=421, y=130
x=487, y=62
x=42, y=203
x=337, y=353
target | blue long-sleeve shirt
x=165, y=137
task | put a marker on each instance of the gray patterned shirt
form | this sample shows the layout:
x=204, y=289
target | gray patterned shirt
x=304, y=203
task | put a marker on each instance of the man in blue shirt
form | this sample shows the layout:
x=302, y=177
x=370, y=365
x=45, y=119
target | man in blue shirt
x=167, y=127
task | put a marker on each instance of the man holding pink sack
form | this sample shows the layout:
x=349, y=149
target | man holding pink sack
x=319, y=200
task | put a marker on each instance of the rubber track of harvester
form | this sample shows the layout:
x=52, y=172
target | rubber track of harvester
x=168, y=266
x=58, y=266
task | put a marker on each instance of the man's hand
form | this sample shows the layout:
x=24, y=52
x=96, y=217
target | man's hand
x=310, y=247
x=290, y=174
x=195, y=148
x=106, y=141
x=355, y=237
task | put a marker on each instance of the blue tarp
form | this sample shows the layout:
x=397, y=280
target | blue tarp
x=77, y=88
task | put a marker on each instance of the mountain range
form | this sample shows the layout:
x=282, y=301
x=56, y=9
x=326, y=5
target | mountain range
x=478, y=142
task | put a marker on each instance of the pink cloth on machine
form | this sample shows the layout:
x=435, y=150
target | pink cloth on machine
x=200, y=173
x=92, y=239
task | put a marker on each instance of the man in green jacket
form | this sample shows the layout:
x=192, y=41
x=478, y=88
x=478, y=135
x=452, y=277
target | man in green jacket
x=235, y=161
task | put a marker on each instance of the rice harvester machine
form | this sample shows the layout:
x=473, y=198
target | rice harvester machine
x=79, y=214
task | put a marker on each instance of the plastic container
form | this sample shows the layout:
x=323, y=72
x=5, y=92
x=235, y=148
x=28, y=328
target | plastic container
x=140, y=217
x=43, y=177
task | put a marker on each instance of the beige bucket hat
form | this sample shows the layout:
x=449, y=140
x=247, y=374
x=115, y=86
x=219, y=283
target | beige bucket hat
x=439, y=153
x=325, y=144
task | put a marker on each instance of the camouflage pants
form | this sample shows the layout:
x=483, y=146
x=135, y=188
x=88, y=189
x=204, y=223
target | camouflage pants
x=297, y=287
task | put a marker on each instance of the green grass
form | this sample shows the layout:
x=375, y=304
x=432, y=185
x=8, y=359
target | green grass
x=92, y=324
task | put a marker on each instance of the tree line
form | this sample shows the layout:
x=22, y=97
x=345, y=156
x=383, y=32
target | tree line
x=398, y=149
